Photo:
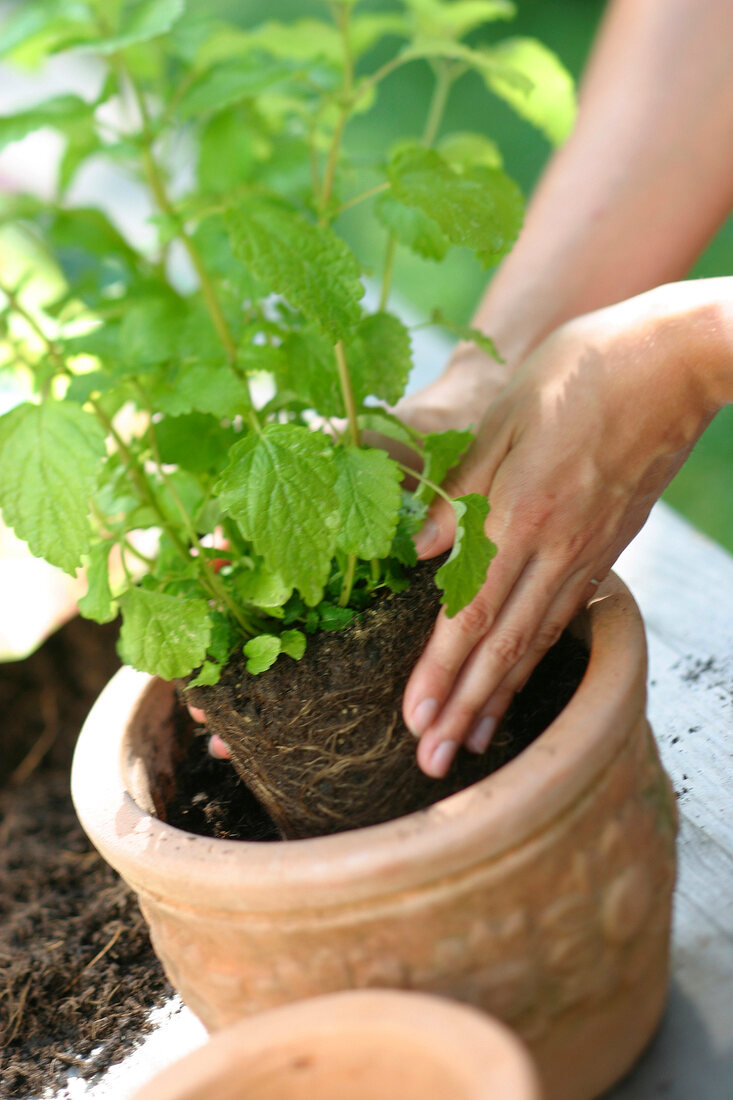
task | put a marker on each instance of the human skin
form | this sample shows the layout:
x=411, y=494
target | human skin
x=626, y=205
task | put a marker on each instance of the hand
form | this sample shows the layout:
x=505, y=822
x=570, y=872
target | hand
x=572, y=454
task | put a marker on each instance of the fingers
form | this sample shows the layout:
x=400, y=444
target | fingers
x=467, y=709
x=216, y=746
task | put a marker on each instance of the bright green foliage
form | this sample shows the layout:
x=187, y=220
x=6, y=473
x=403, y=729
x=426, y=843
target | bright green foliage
x=368, y=491
x=532, y=80
x=305, y=262
x=225, y=407
x=379, y=358
x=481, y=209
x=280, y=488
x=50, y=460
x=463, y=574
x=165, y=635
x=442, y=450
x=97, y=602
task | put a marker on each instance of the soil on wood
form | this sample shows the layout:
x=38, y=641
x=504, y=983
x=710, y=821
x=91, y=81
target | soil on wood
x=78, y=976
x=321, y=741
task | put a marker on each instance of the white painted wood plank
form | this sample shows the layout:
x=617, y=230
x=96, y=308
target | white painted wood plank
x=684, y=586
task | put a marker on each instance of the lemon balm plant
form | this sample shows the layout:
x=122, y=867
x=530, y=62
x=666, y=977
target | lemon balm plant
x=272, y=521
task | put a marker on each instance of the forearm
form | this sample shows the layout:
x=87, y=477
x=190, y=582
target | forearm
x=642, y=184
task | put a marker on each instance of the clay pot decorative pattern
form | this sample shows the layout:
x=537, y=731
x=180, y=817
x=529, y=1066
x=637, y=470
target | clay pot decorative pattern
x=541, y=895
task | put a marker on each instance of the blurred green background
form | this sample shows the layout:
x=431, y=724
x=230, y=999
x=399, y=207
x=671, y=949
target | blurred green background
x=703, y=490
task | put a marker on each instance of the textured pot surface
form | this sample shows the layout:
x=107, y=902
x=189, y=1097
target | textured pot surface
x=542, y=894
x=363, y=1045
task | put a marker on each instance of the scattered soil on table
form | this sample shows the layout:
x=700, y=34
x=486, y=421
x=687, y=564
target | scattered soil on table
x=210, y=800
x=77, y=972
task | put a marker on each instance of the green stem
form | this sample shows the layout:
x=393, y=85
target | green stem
x=208, y=290
x=341, y=16
x=348, y=581
x=424, y=481
x=443, y=84
x=376, y=190
x=347, y=392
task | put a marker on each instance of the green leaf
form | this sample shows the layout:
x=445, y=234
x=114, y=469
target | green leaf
x=331, y=617
x=463, y=150
x=467, y=332
x=206, y=388
x=379, y=358
x=308, y=369
x=232, y=147
x=280, y=487
x=262, y=588
x=442, y=452
x=292, y=642
x=140, y=21
x=164, y=635
x=386, y=423
x=228, y=83
x=51, y=458
x=411, y=227
x=261, y=652
x=463, y=574
x=456, y=19
x=195, y=441
x=208, y=675
x=39, y=27
x=97, y=602
x=58, y=112
x=368, y=490
x=480, y=209
x=150, y=330
x=411, y=519
x=306, y=263
x=533, y=80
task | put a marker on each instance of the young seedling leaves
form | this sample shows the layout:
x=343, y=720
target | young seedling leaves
x=533, y=80
x=261, y=653
x=97, y=602
x=292, y=643
x=306, y=263
x=463, y=574
x=280, y=488
x=442, y=452
x=379, y=358
x=480, y=209
x=368, y=490
x=263, y=589
x=165, y=635
x=51, y=458
x=412, y=228
x=208, y=675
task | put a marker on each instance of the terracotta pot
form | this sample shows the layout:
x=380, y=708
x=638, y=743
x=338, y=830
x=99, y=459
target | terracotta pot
x=542, y=894
x=356, y=1046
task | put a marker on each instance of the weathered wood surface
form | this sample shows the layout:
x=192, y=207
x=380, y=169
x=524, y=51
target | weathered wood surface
x=683, y=584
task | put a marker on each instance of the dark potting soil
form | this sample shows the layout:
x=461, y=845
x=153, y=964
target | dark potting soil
x=210, y=800
x=77, y=972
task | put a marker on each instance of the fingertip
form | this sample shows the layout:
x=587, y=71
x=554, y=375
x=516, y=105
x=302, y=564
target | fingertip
x=198, y=715
x=217, y=748
x=435, y=760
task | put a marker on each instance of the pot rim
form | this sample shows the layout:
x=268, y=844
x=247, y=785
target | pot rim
x=482, y=1055
x=478, y=823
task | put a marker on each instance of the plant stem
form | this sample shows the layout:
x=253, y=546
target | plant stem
x=424, y=481
x=341, y=16
x=443, y=84
x=376, y=190
x=208, y=290
x=347, y=392
x=348, y=581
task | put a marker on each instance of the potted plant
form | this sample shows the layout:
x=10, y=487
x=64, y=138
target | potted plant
x=228, y=521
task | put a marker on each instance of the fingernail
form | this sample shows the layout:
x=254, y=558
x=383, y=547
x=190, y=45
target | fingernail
x=423, y=715
x=442, y=758
x=426, y=536
x=217, y=748
x=483, y=731
x=198, y=715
